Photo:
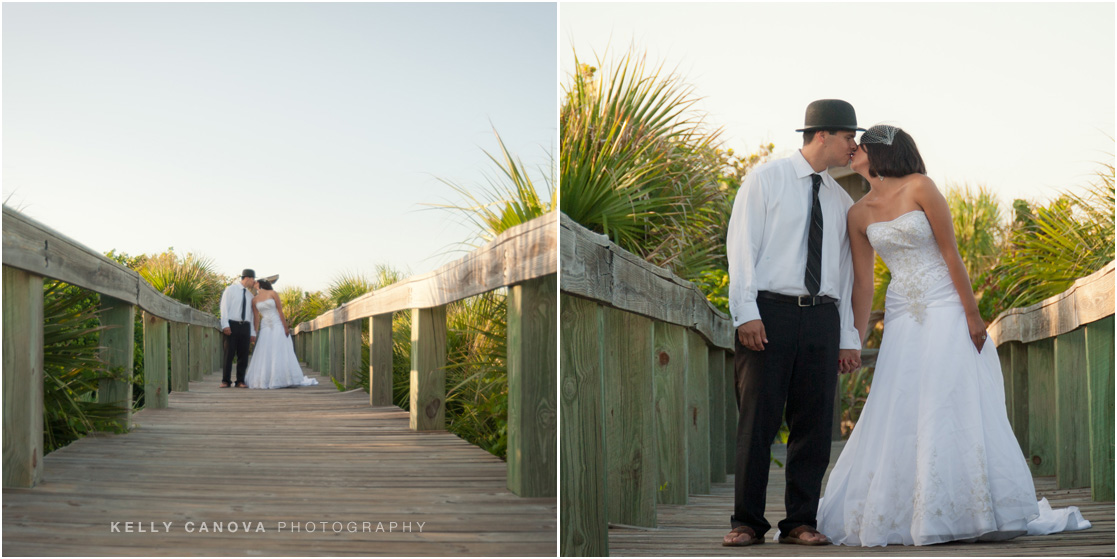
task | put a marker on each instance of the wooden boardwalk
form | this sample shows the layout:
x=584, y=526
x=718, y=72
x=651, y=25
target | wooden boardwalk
x=354, y=479
x=696, y=529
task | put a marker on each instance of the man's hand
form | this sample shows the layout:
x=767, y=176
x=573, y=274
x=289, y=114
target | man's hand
x=252, y=339
x=228, y=331
x=752, y=335
x=849, y=360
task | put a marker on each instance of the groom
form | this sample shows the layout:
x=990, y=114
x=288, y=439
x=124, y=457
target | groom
x=790, y=279
x=238, y=326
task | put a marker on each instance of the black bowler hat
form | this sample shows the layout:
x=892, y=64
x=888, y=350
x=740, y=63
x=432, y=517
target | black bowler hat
x=248, y=273
x=830, y=114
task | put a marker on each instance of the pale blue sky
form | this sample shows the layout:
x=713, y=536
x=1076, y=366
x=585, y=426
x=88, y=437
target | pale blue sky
x=298, y=139
x=1019, y=97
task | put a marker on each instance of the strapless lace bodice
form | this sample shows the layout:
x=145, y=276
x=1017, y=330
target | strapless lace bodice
x=908, y=247
x=269, y=316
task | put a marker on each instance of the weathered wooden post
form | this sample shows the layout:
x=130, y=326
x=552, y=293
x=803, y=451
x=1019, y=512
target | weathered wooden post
x=180, y=356
x=630, y=418
x=117, y=347
x=1014, y=369
x=337, y=352
x=428, y=373
x=1099, y=365
x=582, y=501
x=352, y=351
x=730, y=429
x=698, y=414
x=1072, y=409
x=23, y=378
x=532, y=356
x=1041, y=407
x=380, y=360
x=324, y=352
x=717, y=414
x=155, y=361
x=669, y=362
x=196, y=344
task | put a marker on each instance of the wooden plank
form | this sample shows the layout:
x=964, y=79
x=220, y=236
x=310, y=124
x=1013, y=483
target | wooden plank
x=730, y=429
x=23, y=377
x=582, y=516
x=352, y=352
x=716, y=406
x=1090, y=298
x=337, y=352
x=698, y=414
x=521, y=253
x=323, y=365
x=34, y=247
x=180, y=356
x=669, y=366
x=630, y=443
x=532, y=360
x=117, y=352
x=1099, y=366
x=380, y=360
x=187, y=463
x=597, y=269
x=155, y=361
x=1041, y=407
x=1072, y=410
x=428, y=373
x=1016, y=390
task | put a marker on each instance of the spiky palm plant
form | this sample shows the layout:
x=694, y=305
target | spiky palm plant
x=191, y=279
x=638, y=164
x=347, y=286
x=72, y=366
x=1053, y=245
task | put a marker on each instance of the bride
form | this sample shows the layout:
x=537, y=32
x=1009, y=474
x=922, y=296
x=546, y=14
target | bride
x=273, y=363
x=932, y=458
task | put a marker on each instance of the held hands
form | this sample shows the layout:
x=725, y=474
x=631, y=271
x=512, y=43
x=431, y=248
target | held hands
x=227, y=331
x=752, y=335
x=849, y=360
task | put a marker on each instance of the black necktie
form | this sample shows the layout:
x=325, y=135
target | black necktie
x=244, y=297
x=813, y=275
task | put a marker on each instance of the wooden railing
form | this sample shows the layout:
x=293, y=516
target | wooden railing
x=648, y=408
x=523, y=259
x=32, y=252
x=1057, y=362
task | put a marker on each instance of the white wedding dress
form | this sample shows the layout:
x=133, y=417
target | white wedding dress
x=932, y=458
x=273, y=363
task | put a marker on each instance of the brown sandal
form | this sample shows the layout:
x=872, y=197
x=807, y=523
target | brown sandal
x=753, y=540
x=793, y=536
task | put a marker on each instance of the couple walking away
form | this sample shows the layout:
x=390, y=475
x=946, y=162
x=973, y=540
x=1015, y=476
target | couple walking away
x=243, y=314
x=933, y=457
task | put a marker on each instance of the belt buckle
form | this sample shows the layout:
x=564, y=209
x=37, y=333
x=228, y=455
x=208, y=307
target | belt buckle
x=810, y=301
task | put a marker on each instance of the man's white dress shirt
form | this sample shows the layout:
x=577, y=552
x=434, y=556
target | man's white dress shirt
x=231, y=306
x=767, y=240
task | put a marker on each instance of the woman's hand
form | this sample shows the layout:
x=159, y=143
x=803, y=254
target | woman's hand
x=978, y=334
x=287, y=330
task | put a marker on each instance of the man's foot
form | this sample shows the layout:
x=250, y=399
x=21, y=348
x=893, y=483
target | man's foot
x=225, y=384
x=740, y=537
x=241, y=384
x=805, y=535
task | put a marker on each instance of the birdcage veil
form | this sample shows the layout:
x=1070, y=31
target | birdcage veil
x=880, y=134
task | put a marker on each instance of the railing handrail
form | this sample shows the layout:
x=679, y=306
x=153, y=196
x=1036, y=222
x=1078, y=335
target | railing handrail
x=523, y=252
x=36, y=248
x=1091, y=298
x=595, y=268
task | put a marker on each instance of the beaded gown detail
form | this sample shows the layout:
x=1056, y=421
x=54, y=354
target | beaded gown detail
x=273, y=363
x=932, y=458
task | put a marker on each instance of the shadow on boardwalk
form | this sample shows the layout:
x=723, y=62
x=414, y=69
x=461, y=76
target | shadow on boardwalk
x=696, y=529
x=353, y=478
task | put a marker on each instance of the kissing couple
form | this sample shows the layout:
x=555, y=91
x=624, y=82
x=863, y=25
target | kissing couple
x=932, y=458
x=243, y=314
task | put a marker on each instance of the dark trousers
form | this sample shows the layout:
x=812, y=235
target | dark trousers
x=797, y=369
x=237, y=344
